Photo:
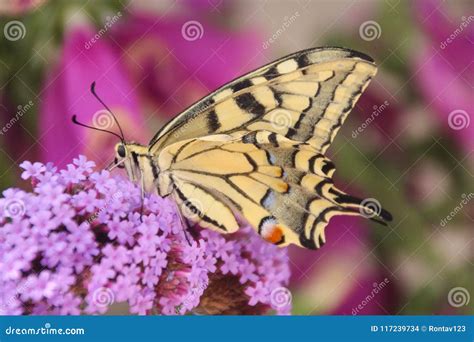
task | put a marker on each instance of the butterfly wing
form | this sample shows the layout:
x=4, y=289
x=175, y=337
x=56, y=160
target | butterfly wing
x=281, y=187
x=305, y=96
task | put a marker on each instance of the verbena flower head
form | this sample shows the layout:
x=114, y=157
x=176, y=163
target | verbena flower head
x=77, y=243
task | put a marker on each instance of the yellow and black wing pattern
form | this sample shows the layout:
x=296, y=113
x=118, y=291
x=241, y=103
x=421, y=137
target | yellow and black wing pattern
x=305, y=96
x=281, y=187
x=253, y=150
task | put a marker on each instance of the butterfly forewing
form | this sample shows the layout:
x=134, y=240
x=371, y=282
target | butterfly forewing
x=305, y=96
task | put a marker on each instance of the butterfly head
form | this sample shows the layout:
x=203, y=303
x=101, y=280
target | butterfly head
x=120, y=155
x=134, y=158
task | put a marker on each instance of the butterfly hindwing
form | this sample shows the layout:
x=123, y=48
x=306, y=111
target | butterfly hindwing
x=201, y=206
x=281, y=187
x=305, y=96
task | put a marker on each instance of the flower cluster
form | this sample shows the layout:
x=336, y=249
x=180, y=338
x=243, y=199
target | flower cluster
x=81, y=241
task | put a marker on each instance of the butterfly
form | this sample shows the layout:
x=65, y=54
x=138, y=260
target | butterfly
x=254, y=150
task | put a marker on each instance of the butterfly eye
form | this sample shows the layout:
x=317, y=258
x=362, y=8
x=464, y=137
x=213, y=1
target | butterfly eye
x=121, y=151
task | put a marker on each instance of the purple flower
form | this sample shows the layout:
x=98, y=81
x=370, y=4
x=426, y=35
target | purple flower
x=231, y=264
x=143, y=303
x=257, y=293
x=83, y=164
x=42, y=286
x=32, y=170
x=73, y=246
x=247, y=272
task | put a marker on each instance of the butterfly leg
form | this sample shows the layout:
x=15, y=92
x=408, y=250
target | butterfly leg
x=142, y=195
x=184, y=223
x=186, y=228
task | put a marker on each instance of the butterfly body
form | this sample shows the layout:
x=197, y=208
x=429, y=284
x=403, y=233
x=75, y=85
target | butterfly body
x=254, y=149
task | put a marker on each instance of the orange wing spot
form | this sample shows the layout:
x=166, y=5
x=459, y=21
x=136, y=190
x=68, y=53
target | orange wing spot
x=282, y=186
x=279, y=172
x=274, y=235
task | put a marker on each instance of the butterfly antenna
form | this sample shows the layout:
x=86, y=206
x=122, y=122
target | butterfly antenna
x=106, y=107
x=74, y=120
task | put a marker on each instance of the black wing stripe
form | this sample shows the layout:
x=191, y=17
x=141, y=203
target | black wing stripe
x=213, y=121
x=249, y=103
x=196, y=210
